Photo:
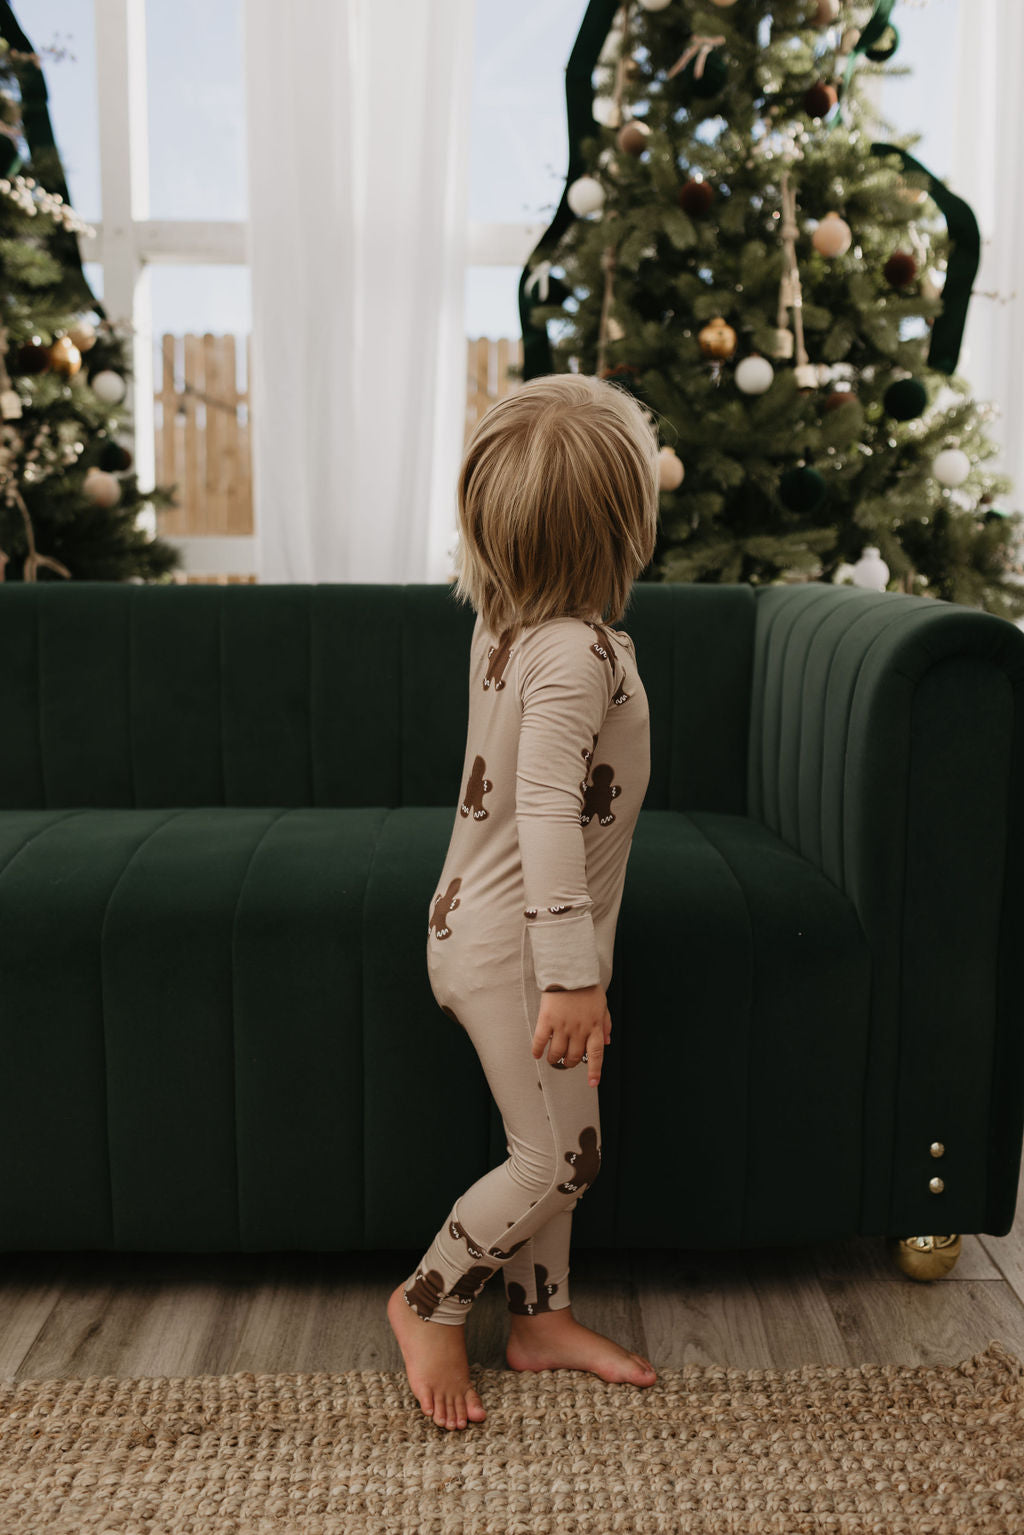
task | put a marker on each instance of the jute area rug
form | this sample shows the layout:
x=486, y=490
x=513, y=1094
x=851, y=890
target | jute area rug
x=885, y=1449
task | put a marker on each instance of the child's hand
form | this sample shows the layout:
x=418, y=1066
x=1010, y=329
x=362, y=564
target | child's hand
x=576, y=1022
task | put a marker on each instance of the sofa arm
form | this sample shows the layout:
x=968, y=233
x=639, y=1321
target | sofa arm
x=887, y=745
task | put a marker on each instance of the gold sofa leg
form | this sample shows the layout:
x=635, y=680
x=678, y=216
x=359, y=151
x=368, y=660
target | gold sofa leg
x=924, y=1257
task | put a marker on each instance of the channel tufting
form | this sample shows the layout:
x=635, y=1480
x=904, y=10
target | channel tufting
x=222, y=810
x=147, y=835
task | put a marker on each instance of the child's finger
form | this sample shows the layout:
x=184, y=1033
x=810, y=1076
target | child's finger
x=595, y=1058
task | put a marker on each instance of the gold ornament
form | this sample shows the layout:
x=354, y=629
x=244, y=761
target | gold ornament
x=717, y=339
x=65, y=357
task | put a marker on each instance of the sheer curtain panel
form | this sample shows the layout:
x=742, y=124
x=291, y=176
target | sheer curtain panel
x=988, y=140
x=358, y=136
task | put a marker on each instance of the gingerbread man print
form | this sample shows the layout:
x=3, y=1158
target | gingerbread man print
x=598, y=796
x=604, y=650
x=498, y=657
x=586, y=1163
x=425, y=1293
x=476, y=787
x=517, y=1301
x=443, y=904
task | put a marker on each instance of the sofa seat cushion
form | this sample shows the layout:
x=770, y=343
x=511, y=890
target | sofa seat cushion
x=748, y=981
x=230, y=1011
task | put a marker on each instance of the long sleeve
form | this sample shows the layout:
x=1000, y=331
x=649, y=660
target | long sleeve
x=565, y=688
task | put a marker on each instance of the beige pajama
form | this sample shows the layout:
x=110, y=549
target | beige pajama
x=556, y=767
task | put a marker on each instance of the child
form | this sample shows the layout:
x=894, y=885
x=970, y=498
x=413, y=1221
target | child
x=558, y=507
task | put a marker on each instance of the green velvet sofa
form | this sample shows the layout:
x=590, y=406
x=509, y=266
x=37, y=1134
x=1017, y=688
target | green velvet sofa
x=222, y=812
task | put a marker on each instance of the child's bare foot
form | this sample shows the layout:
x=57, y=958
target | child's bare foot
x=436, y=1364
x=554, y=1340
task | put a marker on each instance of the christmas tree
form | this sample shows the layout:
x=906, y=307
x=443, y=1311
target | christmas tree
x=69, y=500
x=786, y=296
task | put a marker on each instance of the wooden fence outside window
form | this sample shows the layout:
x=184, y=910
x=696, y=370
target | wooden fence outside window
x=203, y=429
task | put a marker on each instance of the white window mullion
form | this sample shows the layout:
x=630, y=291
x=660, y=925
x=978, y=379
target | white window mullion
x=124, y=201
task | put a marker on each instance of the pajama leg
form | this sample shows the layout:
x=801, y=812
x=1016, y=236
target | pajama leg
x=518, y=1216
x=537, y=1277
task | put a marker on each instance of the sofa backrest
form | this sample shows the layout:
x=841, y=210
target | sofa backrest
x=135, y=695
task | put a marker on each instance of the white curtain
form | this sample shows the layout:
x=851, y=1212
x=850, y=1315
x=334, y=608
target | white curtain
x=358, y=140
x=988, y=142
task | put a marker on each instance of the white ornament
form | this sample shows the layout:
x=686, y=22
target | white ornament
x=833, y=236
x=951, y=467
x=109, y=386
x=670, y=470
x=655, y=5
x=754, y=375
x=870, y=571
x=611, y=48
x=607, y=112
x=843, y=574
x=615, y=331
x=83, y=334
x=806, y=375
x=585, y=195
x=101, y=488
x=10, y=404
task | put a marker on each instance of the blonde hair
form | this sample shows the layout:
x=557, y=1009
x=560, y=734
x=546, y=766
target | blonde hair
x=557, y=502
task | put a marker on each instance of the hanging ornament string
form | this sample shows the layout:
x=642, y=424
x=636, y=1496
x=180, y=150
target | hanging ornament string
x=698, y=47
x=608, y=258
x=790, y=294
x=870, y=34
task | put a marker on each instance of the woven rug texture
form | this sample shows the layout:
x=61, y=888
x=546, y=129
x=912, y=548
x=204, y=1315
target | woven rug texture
x=869, y=1449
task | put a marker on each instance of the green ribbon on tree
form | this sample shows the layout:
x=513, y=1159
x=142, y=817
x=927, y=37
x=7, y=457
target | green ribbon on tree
x=44, y=162
x=961, y=266
x=579, y=99
x=872, y=31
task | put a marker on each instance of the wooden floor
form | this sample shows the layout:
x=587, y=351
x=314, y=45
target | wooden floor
x=74, y=1314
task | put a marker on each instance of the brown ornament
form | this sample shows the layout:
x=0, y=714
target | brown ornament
x=621, y=370
x=900, y=269
x=717, y=339
x=65, y=358
x=837, y=398
x=696, y=197
x=633, y=137
x=820, y=99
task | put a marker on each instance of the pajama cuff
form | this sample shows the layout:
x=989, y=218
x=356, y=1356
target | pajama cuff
x=564, y=951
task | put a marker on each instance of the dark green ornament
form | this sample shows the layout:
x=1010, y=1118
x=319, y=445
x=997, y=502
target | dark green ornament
x=115, y=458
x=802, y=489
x=886, y=45
x=711, y=81
x=906, y=398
